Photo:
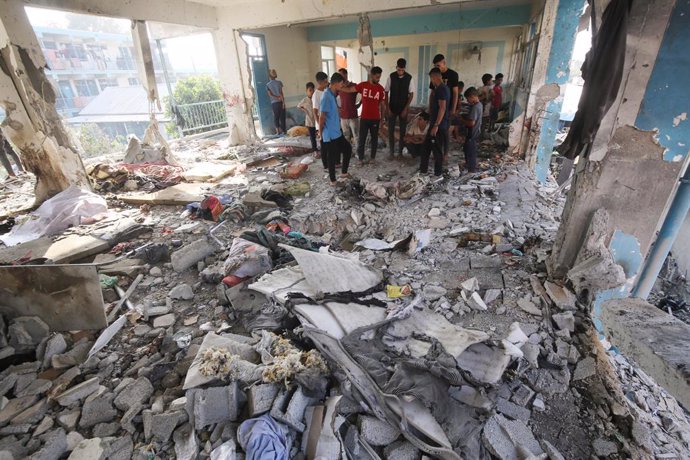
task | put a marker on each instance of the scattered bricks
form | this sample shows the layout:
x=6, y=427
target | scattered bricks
x=54, y=346
x=15, y=407
x=512, y=410
x=260, y=398
x=128, y=418
x=104, y=430
x=136, y=393
x=163, y=425
x=55, y=445
x=164, y=321
x=68, y=420
x=26, y=332
x=585, y=369
x=89, y=449
x=213, y=405
x=522, y=395
x=78, y=392
x=376, y=432
x=181, y=292
x=401, y=450
x=189, y=255
x=562, y=297
x=120, y=449
x=565, y=320
x=98, y=410
x=294, y=415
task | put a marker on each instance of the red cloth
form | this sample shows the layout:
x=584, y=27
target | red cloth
x=348, y=104
x=372, y=95
x=497, y=101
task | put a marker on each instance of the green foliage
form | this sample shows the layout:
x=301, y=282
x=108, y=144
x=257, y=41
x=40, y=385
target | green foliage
x=201, y=88
x=94, y=141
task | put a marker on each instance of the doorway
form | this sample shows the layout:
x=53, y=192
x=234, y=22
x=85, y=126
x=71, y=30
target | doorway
x=258, y=63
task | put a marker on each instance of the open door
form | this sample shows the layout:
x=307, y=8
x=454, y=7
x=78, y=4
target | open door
x=258, y=62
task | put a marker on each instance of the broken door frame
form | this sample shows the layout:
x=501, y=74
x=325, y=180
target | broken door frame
x=264, y=112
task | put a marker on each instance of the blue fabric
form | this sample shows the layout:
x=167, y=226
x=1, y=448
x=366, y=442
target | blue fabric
x=329, y=106
x=441, y=93
x=275, y=86
x=263, y=438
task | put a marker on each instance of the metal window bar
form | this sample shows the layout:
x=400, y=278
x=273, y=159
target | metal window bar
x=200, y=117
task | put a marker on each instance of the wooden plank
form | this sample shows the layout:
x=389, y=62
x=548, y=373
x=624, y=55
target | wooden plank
x=176, y=195
x=66, y=297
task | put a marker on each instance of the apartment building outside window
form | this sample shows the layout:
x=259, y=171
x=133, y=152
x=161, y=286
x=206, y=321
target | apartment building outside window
x=86, y=87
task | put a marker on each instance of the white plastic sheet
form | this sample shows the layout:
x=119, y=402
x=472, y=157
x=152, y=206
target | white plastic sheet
x=64, y=210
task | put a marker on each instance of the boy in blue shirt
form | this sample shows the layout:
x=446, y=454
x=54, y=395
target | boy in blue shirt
x=439, y=104
x=334, y=143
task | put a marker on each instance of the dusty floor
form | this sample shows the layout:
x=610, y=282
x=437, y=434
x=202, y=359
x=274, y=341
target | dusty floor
x=562, y=390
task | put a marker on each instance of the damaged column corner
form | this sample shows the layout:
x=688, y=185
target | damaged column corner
x=32, y=122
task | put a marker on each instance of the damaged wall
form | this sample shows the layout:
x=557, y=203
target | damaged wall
x=419, y=50
x=28, y=98
x=629, y=172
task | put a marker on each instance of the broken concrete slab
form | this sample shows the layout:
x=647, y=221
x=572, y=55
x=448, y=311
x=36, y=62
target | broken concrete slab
x=654, y=339
x=89, y=449
x=78, y=392
x=260, y=398
x=180, y=194
x=189, y=255
x=181, y=292
x=213, y=405
x=528, y=306
x=561, y=296
x=26, y=332
x=564, y=320
x=209, y=171
x=137, y=392
x=509, y=439
x=49, y=292
x=484, y=362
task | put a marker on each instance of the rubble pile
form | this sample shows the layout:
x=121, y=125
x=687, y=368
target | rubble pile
x=396, y=317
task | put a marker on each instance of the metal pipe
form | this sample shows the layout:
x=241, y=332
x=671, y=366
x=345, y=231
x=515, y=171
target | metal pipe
x=667, y=236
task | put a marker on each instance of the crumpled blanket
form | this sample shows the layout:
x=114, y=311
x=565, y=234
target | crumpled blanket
x=263, y=438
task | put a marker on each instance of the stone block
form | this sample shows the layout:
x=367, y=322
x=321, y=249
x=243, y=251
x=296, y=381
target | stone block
x=26, y=332
x=512, y=410
x=260, y=398
x=189, y=255
x=401, y=450
x=506, y=439
x=136, y=393
x=89, y=449
x=163, y=425
x=564, y=320
x=213, y=405
x=68, y=420
x=54, y=446
x=98, y=410
x=78, y=392
x=376, y=432
x=54, y=346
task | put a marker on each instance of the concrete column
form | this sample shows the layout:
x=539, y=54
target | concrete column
x=28, y=98
x=641, y=149
x=235, y=77
x=559, y=28
x=144, y=60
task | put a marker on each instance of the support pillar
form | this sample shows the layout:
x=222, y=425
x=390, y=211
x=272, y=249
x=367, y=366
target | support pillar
x=234, y=73
x=560, y=24
x=641, y=149
x=32, y=122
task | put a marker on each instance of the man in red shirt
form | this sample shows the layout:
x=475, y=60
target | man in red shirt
x=348, y=109
x=373, y=105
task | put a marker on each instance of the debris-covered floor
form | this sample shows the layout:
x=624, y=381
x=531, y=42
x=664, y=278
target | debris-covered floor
x=397, y=316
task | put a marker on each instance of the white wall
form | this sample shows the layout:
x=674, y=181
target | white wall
x=288, y=54
x=497, y=50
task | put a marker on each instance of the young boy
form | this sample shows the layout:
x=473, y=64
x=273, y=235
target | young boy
x=334, y=143
x=439, y=106
x=321, y=85
x=486, y=94
x=473, y=122
x=414, y=137
x=497, y=100
x=307, y=106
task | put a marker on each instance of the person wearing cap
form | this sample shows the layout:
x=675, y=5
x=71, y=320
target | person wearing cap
x=450, y=78
x=275, y=93
x=399, y=94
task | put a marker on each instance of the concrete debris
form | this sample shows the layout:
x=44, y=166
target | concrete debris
x=206, y=360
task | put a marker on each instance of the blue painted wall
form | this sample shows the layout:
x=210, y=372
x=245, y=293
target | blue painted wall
x=668, y=90
x=426, y=23
x=557, y=71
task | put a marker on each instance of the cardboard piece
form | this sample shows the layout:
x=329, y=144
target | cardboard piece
x=65, y=297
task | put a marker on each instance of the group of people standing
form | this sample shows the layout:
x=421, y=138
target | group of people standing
x=331, y=107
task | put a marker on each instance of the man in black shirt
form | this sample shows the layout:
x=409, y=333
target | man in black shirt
x=450, y=79
x=400, y=92
x=438, y=128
